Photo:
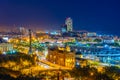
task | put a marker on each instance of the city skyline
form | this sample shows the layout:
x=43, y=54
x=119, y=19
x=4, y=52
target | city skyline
x=98, y=16
x=59, y=40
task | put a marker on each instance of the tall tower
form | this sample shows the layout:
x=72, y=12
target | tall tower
x=69, y=24
x=30, y=40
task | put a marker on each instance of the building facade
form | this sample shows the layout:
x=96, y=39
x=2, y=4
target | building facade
x=64, y=28
x=102, y=54
x=62, y=58
x=5, y=47
x=69, y=24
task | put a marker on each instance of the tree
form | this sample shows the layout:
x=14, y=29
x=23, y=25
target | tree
x=80, y=73
x=97, y=40
x=112, y=72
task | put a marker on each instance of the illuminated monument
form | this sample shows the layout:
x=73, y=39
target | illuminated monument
x=69, y=24
x=30, y=47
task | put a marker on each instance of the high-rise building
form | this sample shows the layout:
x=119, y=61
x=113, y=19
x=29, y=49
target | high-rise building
x=64, y=28
x=69, y=24
x=22, y=30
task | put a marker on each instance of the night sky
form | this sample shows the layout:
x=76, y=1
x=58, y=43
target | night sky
x=102, y=16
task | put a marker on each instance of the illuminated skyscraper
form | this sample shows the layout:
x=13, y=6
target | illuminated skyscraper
x=22, y=30
x=69, y=24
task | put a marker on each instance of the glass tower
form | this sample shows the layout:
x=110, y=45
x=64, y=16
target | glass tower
x=69, y=24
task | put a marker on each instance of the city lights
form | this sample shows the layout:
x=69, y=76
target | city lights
x=59, y=40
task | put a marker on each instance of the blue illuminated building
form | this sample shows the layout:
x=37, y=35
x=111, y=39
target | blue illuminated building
x=105, y=54
x=64, y=28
